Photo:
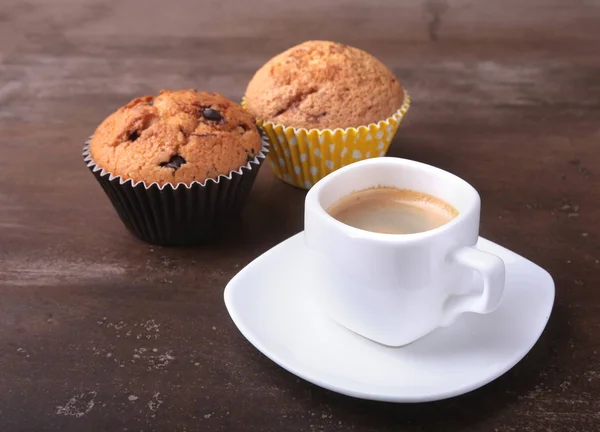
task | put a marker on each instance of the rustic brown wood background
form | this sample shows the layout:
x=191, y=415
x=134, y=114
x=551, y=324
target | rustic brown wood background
x=101, y=332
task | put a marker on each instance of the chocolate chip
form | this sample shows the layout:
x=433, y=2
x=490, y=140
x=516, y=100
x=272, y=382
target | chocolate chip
x=149, y=103
x=134, y=135
x=175, y=162
x=211, y=114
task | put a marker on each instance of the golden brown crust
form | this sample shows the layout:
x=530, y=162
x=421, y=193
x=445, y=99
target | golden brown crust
x=324, y=85
x=177, y=137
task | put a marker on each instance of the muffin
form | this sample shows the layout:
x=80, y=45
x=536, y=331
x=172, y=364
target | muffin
x=178, y=167
x=324, y=105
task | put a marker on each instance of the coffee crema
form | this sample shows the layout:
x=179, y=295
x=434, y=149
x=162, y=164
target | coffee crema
x=389, y=210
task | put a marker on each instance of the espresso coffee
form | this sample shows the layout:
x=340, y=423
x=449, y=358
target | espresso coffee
x=392, y=211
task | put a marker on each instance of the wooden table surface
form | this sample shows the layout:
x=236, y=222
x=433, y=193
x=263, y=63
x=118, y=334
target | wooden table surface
x=99, y=331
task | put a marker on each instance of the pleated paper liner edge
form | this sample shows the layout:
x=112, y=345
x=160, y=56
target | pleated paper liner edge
x=181, y=214
x=301, y=157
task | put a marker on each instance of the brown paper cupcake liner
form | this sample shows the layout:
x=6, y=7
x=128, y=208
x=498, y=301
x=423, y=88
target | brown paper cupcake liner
x=182, y=214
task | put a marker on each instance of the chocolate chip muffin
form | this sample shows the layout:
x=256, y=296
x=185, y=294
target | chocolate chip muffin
x=178, y=168
x=324, y=105
x=177, y=137
x=324, y=85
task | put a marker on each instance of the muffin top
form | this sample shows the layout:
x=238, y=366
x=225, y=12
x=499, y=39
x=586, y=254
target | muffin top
x=177, y=137
x=324, y=85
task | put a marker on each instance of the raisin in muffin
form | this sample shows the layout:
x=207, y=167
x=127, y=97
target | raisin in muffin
x=324, y=85
x=178, y=168
x=324, y=105
x=176, y=137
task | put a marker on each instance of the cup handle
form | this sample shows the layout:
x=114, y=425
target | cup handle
x=491, y=269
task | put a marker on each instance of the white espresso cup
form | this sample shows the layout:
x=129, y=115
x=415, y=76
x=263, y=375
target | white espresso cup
x=396, y=288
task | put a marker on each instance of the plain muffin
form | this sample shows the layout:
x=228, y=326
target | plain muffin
x=323, y=85
x=177, y=137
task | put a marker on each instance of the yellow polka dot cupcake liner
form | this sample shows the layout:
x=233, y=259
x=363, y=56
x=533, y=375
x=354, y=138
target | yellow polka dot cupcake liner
x=302, y=157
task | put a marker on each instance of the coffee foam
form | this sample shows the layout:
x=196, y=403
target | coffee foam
x=392, y=211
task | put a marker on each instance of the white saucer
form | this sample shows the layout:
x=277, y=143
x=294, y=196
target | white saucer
x=271, y=303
